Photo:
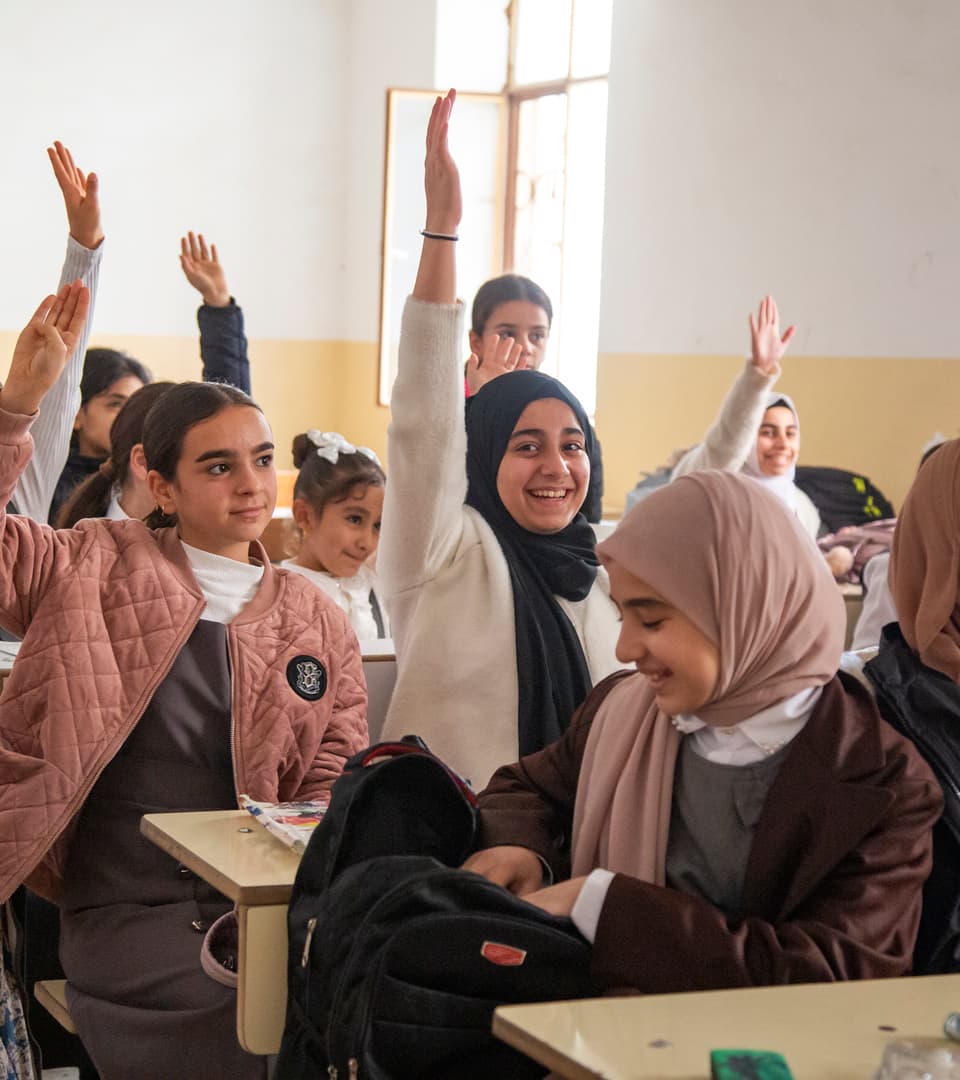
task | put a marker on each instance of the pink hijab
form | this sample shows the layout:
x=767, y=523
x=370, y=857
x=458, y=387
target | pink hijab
x=925, y=562
x=730, y=556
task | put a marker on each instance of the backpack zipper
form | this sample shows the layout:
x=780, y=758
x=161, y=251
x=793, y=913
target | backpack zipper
x=305, y=955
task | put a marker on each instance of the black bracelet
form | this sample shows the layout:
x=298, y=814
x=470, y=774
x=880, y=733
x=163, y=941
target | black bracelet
x=438, y=235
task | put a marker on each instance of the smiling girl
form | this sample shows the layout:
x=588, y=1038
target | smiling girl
x=337, y=505
x=500, y=611
x=735, y=812
x=758, y=431
x=162, y=668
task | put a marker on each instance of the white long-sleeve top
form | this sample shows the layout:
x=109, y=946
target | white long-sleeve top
x=54, y=425
x=443, y=573
x=733, y=434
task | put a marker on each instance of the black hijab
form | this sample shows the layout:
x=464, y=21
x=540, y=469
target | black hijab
x=552, y=673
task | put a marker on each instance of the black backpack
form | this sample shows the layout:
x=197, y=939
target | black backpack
x=396, y=958
x=842, y=497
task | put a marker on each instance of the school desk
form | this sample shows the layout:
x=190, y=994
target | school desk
x=8, y=653
x=239, y=857
x=826, y=1031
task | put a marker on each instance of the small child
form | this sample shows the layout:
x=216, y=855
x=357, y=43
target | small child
x=337, y=505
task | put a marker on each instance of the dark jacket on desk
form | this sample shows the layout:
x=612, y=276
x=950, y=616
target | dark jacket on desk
x=924, y=705
x=833, y=882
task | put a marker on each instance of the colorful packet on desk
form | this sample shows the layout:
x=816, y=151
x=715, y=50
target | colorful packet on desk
x=290, y=822
x=748, y=1065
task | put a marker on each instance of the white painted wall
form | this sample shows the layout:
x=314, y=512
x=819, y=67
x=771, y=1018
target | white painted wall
x=260, y=124
x=807, y=149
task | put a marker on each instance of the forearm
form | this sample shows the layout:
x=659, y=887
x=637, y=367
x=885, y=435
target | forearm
x=426, y=448
x=729, y=440
x=223, y=345
x=54, y=425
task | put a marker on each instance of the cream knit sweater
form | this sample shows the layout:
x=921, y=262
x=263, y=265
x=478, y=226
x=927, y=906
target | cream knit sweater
x=443, y=573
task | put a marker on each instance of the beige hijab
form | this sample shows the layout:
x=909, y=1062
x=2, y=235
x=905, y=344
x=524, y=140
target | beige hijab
x=731, y=557
x=925, y=562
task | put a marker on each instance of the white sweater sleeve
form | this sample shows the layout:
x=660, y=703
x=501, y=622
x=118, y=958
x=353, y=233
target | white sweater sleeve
x=426, y=449
x=878, y=608
x=54, y=425
x=727, y=443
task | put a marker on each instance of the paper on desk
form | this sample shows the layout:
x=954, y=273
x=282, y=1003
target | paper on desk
x=291, y=822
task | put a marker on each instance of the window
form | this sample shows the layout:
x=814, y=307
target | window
x=532, y=161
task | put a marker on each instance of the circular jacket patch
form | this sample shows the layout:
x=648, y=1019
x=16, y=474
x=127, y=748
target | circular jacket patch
x=307, y=677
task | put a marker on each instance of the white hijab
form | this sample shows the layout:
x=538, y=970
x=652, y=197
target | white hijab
x=783, y=486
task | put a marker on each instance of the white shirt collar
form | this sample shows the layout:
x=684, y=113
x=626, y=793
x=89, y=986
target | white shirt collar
x=755, y=738
x=227, y=584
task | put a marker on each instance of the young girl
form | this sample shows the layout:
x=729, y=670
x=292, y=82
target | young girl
x=500, y=614
x=111, y=378
x=509, y=329
x=164, y=668
x=758, y=430
x=917, y=676
x=734, y=812
x=119, y=488
x=337, y=505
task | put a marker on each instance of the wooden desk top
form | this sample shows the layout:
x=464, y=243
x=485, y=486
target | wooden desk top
x=826, y=1031
x=228, y=849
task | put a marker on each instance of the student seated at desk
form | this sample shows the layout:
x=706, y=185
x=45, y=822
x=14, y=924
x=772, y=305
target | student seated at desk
x=917, y=676
x=500, y=612
x=735, y=812
x=758, y=429
x=337, y=505
x=165, y=666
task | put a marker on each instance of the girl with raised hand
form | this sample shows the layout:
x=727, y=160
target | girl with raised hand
x=734, y=812
x=758, y=429
x=509, y=329
x=164, y=666
x=500, y=612
x=337, y=505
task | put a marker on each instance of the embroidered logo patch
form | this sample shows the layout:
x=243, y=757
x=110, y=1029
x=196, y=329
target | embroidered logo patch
x=307, y=677
x=503, y=955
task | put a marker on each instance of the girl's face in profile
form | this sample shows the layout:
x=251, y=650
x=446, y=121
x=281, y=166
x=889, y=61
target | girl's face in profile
x=345, y=533
x=681, y=664
x=778, y=441
x=543, y=476
x=527, y=323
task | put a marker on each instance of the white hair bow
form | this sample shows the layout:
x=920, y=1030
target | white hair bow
x=331, y=444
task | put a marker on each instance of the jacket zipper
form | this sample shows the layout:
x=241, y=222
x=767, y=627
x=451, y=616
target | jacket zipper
x=84, y=789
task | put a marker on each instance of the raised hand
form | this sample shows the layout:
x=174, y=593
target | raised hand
x=203, y=270
x=43, y=348
x=767, y=346
x=441, y=180
x=505, y=356
x=80, y=196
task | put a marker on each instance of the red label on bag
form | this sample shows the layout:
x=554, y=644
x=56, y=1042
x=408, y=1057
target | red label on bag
x=503, y=955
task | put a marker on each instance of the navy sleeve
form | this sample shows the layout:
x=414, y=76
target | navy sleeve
x=223, y=346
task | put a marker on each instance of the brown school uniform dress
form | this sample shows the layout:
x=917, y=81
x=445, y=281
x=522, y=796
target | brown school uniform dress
x=133, y=920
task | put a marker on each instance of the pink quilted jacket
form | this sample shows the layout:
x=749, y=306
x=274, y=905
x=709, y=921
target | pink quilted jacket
x=103, y=609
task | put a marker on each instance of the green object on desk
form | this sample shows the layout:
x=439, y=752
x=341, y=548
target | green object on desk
x=748, y=1065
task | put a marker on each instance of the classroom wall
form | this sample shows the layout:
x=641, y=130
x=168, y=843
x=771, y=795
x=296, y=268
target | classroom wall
x=792, y=148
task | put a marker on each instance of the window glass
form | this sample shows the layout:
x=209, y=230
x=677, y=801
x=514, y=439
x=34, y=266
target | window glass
x=590, y=51
x=541, y=41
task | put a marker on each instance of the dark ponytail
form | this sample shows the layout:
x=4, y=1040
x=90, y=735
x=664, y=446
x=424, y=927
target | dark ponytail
x=92, y=498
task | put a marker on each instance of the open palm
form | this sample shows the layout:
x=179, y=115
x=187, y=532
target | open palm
x=767, y=346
